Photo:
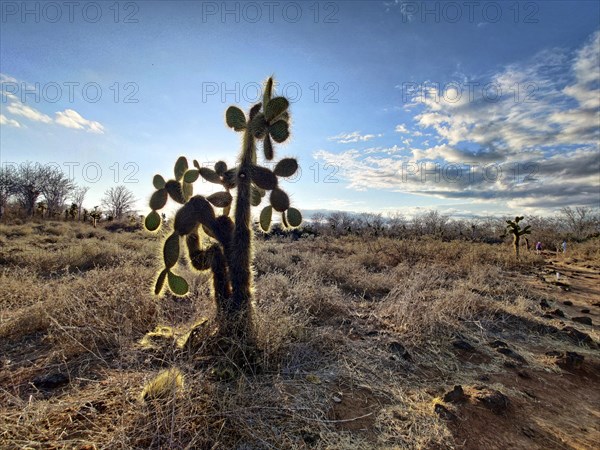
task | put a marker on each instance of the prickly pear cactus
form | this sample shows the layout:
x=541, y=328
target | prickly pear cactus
x=514, y=228
x=215, y=237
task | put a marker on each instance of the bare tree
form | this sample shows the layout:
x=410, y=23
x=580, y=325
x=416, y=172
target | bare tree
x=29, y=181
x=581, y=220
x=55, y=188
x=78, y=195
x=8, y=184
x=118, y=201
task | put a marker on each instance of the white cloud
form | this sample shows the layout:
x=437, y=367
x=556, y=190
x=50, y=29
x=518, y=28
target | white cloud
x=9, y=122
x=72, y=119
x=401, y=128
x=20, y=109
x=542, y=140
x=355, y=136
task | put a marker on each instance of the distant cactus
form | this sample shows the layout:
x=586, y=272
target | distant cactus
x=95, y=216
x=42, y=207
x=514, y=228
x=72, y=211
x=229, y=251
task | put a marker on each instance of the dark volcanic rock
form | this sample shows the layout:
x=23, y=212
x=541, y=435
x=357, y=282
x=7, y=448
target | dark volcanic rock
x=398, y=348
x=444, y=412
x=493, y=400
x=570, y=360
x=585, y=311
x=577, y=336
x=568, y=303
x=558, y=312
x=498, y=344
x=456, y=395
x=461, y=344
x=51, y=381
x=582, y=319
x=544, y=304
x=511, y=354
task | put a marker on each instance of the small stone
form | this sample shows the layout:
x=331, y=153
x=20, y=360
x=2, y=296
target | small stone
x=51, y=381
x=337, y=399
x=511, y=354
x=544, y=304
x=456, y=395
x=524, y=374
x=444, y=412
x=568, y=303
x=397, y=347
x=558, y=312
x=585, y=311
x=571, y=360
x=497, y=344
x=577, y=336
x=494, y=400
x=463, y=345
x=582, y=319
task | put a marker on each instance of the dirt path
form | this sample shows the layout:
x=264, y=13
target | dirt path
x=553, y=407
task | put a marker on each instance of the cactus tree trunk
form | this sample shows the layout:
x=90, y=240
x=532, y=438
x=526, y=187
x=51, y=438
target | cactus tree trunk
x=236, y=313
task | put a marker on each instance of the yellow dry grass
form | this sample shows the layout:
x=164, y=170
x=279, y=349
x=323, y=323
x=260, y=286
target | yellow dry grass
x=332, y=314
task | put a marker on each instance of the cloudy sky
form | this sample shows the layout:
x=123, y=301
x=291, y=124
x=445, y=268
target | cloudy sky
x=472, y=108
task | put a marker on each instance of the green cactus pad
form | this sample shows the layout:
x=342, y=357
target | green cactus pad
x=255, y=110
x=177, y=284
x=160, y=282
x=258, y=126
x=191, y=175
x=268, y=92
x=286, y=167
x=255, y=197
x=188, y=190
x=171, y=250
x=158, y=181
x=294, y=217
x=276, y=107
x=220, y=199
x=265, y=218
x=210, y=175
x=175, y=191
x=159, y=199
x=152, y=221
x=180, y=167
x=263, y=178
x=279, y=131
x=196, y=165
x=230, y=178
x=220, y=168
x=268, y=148
x=284, y=220
x=279, y=200
x=235, y=118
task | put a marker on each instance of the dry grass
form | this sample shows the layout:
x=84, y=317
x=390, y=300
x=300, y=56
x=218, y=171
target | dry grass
x=330, y=314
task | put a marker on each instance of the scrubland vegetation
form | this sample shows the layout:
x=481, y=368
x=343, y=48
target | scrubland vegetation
x=361, y=341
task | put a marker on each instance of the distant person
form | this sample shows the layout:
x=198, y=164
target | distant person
x=564, y=246
x=538, y=247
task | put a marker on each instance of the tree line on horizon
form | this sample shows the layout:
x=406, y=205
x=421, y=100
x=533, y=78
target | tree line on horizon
x=37, y=190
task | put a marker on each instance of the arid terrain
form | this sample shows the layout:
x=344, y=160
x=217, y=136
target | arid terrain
x=364, y=342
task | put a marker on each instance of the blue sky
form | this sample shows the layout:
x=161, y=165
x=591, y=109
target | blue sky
x=397, y=106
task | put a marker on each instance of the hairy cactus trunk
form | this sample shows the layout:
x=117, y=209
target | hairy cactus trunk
x=235, y=315
x=516, y=239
